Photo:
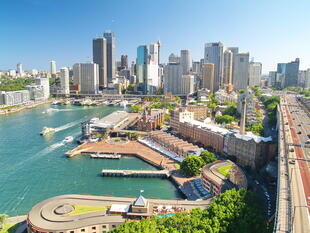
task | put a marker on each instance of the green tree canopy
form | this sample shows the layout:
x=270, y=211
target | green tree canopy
x=136, y=108
x=233, y=211
x=3, y=218
x=225, y=119
x=14, y=84
x=208, y=157
x=191, y=165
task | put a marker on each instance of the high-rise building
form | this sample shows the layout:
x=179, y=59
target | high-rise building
x=241, y=71
x=173, y=58
x=187, y=84
x=214, y=54
x=20, y=69
x=64, y=80
x=154, y=53
x=109, y=36
x=307, y=79
x=44, y=83
x=124, y=61
x=228, y=64
x=87, y=76
x=196, y=67
x=255, y=73
x=172, y=78
x=133, y=68
x=235, y=51
x=291, y=73
x=147, y=68
x=100, y=58
x=141, y=68
x=185, y=61
x=208, y=77
x=53, y=68
x=272, y=78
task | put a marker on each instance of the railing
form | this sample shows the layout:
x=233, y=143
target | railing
x=283, y=223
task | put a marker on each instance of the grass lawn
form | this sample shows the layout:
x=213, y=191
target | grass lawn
x=224, y=170
x=83, y=209
x=9, y=228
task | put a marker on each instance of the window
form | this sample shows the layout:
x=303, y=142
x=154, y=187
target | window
x=104, y=232
x=71, y=231
x=82, y=230
x=94, y=228
x=113, y=226
x=104, y=226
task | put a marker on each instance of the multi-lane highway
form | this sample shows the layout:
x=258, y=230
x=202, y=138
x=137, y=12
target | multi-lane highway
x=298, y=129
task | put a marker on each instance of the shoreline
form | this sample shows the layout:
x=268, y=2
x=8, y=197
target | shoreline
x=146, y=154
x=6, y=112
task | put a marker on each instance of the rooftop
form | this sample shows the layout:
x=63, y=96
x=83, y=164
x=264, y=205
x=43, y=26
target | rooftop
x=211, y=127
x=111, y=120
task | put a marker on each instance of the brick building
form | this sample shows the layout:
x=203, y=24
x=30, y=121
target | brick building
x=151, y=119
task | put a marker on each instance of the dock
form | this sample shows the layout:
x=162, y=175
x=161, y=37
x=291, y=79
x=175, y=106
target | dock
x=136, y=173
x=105, y=156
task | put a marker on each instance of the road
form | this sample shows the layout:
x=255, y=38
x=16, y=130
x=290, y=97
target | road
x=298, y=123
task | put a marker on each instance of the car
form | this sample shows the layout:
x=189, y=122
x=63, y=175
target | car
x=292, y=150
x=256, y=182
x=292, y=161
x=299, y=124
x=299, y=132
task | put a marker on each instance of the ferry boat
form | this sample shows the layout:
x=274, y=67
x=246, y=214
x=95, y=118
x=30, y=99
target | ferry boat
x=67, y=140
x=46, y=131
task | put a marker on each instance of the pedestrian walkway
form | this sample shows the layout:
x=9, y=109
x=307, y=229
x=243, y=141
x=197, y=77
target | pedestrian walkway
x=161, y=149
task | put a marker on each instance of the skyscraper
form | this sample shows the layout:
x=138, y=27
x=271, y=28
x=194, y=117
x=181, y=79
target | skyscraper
x=141, y=68
x=173, y=58
x=187, y=84
x=154, y=53
x=228, y=64
x=214, y=54
x=20, y=69
x=235, y=51
x=208, y=77
x=291, y=73
x=87, y=75
x=124, y=61
x=255, y=73
x=307, y=79
x=172, y=78
x=100, y=58
x=64, y=80
x=241, y=71
x=53, y=68
x=185, y=61
x=109, y=36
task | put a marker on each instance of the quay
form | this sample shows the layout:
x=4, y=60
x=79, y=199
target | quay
x=136, y=173
x=105, y=156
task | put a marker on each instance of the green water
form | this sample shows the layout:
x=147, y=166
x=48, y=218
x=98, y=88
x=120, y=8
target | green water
x=34, y=168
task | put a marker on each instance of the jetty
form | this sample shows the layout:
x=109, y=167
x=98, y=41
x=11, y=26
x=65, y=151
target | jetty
x=136, y=173
x=105, y=156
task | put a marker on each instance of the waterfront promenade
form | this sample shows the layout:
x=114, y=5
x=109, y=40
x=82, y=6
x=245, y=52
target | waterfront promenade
x=145, y=153
x=23, y=107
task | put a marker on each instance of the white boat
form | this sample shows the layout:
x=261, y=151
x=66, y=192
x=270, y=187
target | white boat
x=93, y=140
x=46, y=131
x=67, y=140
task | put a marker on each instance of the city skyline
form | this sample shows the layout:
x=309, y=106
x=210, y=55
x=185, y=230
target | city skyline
x=34, y=36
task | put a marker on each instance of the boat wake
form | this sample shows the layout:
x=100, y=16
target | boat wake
x=67, y=126
x=21, y=164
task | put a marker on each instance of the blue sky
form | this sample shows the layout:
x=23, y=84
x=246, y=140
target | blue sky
x=34, y=32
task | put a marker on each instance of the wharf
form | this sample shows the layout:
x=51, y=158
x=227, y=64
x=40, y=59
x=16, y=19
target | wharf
x=105, y=156
x=136, y=173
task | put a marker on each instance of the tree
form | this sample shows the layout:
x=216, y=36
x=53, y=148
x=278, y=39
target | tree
x=131, y=87
x=224, y=119
x=136, y=108
x=3, y=218
x=233, y=211
x=167, y=117
x=208, y=157
x=257, y=129
x=178, y=99
x=192, y=164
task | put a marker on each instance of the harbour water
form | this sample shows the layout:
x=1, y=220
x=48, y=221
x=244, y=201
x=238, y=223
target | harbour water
x=34, y=168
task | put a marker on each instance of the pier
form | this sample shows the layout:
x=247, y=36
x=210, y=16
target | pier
x=136, y=173
x=105, y=156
